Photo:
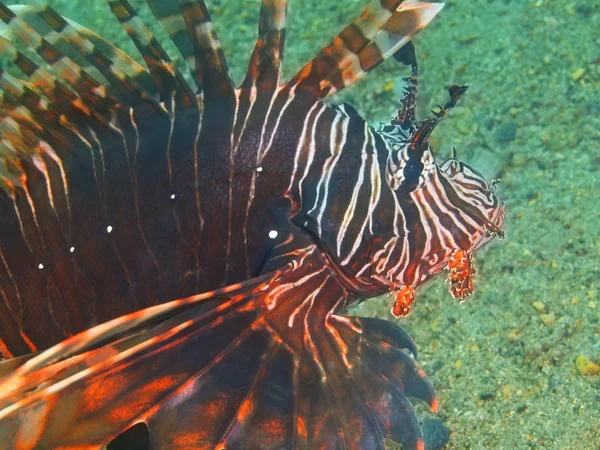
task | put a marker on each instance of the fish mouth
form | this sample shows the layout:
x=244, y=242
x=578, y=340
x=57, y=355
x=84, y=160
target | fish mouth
x=490, y=230
x=494, y=228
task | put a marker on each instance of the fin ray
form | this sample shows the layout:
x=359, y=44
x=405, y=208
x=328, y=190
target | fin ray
x=167, y=79
x=374, y=36
x=264, y=68
x=405, y=23
x=217, y=358
x=188, y=24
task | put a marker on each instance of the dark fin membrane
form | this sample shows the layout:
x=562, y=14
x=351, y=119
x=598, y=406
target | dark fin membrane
x=263, y=364
x=378, y=33
x=70, y=91
x=257, y=90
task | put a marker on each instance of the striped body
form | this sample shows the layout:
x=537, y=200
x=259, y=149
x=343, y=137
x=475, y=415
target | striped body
x=221, y=230
x=159, y=228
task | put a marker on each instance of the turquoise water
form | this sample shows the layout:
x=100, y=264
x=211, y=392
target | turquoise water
x=515, y=366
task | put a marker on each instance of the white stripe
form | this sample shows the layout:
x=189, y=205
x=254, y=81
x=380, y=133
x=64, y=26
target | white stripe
x=331, y=163
x=260, y=154
x=300, y=146
x=312, y=148
x=291, y=96
x=373, y=200
x=101, y=189
x=352, y=205
x=232, y=147
x=327, y=164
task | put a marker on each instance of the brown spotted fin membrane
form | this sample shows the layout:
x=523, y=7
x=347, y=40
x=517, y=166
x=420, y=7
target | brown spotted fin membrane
x=155, y=275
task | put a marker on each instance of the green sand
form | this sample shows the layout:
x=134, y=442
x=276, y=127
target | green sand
x=503, y=365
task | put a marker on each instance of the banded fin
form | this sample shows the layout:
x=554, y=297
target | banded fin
x=405, y=23
x=65, y=67
x=53, y=95
x=264, y=69
x=189, y=26
x=262, y=364
x=42, y=109
x=168, y=81
x=124, y=75
x=372, y=38
x=83, y=50
x=67, y=103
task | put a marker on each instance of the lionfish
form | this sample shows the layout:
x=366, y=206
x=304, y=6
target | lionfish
x=176, y=253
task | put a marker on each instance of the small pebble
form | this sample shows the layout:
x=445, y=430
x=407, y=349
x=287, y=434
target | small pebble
x=586, y=366
x=506, y=132
x=486, y=396
x=389, y=86
x=548, y=319
x=467, y=38
x=514, y=335
x=518, y=160
x=578, y=74
x=539, y=306
x=435, y=434
x=464, y=125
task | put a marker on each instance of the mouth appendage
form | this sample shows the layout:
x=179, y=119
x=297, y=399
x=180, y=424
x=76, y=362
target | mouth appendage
x=415, y=134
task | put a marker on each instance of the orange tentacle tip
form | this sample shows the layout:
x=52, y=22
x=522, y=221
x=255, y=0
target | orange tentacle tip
x=405, y=297
x=461, y=274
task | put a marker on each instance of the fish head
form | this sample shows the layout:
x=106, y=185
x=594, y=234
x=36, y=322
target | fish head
x=438, y=210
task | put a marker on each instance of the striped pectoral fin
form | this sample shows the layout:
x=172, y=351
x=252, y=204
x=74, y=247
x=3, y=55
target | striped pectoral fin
x=263, y=364
x=189, y=25
x=265, y=63
x=372, y=38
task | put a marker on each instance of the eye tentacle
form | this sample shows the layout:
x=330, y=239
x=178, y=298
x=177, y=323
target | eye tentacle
x=406, y=116
x=420, y=137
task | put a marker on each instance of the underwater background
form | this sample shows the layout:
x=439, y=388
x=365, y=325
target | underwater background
x=517, y=365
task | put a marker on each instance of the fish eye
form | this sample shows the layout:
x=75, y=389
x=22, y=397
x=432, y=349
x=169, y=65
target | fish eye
x=409, y=172
x=412, y=171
